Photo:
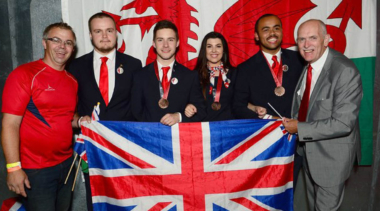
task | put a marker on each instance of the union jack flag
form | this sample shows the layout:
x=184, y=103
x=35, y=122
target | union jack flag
x=229, y=165
x=12, y=204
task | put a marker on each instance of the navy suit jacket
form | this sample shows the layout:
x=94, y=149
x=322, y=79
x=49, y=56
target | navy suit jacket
x=255, y=84
x=119, y=108
x=146, y=94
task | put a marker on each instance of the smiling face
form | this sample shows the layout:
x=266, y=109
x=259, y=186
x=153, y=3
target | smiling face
x=56, y=55
x=269, y=34
x=103, y=35
x=214, y=51
x=312, y=41
x=166, y=44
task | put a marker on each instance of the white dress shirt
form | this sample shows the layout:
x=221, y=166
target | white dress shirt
x=317, y=69
x=111, y=70
x=160, y=71
x=269, y=56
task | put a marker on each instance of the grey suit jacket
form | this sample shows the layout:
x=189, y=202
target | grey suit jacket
x=331, y=131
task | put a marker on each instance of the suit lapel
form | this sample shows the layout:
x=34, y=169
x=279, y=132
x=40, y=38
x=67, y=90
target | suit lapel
x=285, y=75
x=118, y=77
x=90, y=73
x=175, y=74
x=153, y=81
x=296, y=96
x=264, y=71
x=175, y=71
x=318, y=85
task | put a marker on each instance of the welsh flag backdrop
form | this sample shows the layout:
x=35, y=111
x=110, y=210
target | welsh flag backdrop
x=351, y=24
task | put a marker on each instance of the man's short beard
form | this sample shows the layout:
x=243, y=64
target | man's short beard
x=103, y=50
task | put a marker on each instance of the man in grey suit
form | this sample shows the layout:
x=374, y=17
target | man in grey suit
x=325, y=110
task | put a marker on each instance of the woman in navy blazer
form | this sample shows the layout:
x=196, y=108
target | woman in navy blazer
x=217, y=77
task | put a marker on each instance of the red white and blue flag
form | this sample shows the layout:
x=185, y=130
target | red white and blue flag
x=350, y=23
x=12, y=204
x=229, y=165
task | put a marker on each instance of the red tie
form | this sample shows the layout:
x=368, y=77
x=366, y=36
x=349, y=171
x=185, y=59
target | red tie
x=302, y=113
x=165, y=82
x=103, y=80
x=275, y=65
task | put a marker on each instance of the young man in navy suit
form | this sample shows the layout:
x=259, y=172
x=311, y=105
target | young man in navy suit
x=269, y=76
x=163, y=88
x=104, y=75
x=113, y=94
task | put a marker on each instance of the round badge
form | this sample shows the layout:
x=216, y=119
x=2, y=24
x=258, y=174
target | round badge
x=227, y=83
x=174, y=81
x=285, y=68
x=120, y=69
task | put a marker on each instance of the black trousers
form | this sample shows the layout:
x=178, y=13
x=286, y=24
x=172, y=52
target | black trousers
x=88, y=191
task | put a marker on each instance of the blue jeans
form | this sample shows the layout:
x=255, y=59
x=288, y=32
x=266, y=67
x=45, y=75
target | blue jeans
x=48, y=190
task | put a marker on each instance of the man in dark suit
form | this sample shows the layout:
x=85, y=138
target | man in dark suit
x=261, y=80
x=270, y=76
x=325, y=111
x=163, y=88
x=105, y=76
x=120, y=68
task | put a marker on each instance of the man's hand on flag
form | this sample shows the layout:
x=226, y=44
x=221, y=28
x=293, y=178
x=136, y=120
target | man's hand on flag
x=291, y=125
x=84, y=119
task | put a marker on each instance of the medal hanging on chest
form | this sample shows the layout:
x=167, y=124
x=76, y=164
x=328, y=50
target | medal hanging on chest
x=277, y=68
x=164, y=92
x=216, y=104
x=222, y=78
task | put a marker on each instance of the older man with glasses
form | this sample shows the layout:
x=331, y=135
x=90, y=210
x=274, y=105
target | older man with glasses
x=39, y=103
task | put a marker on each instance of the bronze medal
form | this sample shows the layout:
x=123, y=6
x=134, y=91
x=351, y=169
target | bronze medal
x=163, y=103
x=279, y=91
x=215, y=106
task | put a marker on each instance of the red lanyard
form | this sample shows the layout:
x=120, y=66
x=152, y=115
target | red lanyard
x=277, y=78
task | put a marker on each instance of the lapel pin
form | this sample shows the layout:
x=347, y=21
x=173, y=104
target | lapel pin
x=285, y=68
x=120, y=69
x=174, y=81
x=227, y=83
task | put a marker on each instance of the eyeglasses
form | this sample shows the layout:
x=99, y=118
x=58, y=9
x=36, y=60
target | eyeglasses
x=58, y=41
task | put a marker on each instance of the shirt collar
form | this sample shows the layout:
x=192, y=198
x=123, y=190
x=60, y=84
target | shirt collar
x=110, y=56
x=269, y=56
x=318, y=65
x=160, y=65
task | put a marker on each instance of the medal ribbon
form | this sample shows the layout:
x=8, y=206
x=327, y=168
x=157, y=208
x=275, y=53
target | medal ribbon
x=218, y=89
x=278, y=78
x=163, y=93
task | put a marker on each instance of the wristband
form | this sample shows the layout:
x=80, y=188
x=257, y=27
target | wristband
x=11, y=165
x=13, y=169
x=79, y=121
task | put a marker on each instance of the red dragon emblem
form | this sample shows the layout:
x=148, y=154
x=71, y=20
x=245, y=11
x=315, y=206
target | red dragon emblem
x=237, y=24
